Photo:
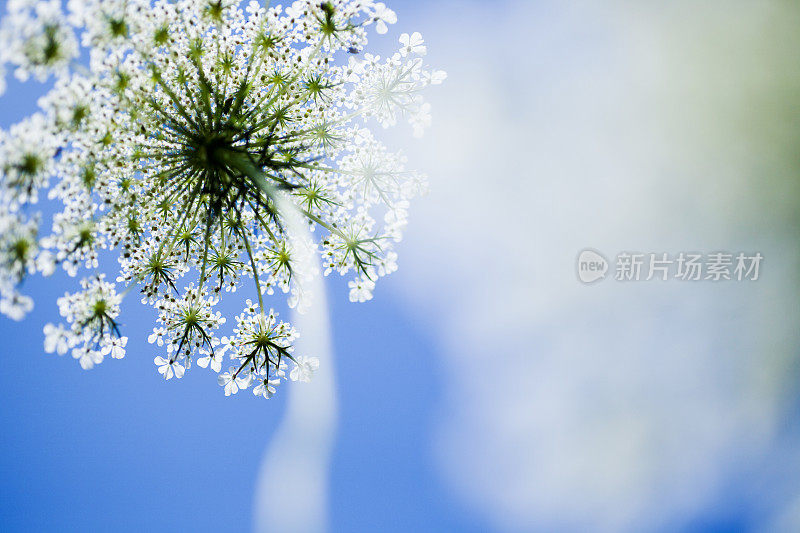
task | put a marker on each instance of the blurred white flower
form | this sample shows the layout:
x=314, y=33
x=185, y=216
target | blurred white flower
x=304, y=368
x=413, y=44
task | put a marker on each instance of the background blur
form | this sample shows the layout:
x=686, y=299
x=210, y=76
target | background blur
x=485, y=388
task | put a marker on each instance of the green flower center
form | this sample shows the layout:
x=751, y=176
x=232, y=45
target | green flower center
x=20, y=249
x=100, y=308
x=52, y=48
x=31, y=164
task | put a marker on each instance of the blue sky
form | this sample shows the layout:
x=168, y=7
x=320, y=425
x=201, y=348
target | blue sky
x=118, y=448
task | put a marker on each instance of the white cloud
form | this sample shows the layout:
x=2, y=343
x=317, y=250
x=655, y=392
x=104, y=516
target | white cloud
x=616, y=407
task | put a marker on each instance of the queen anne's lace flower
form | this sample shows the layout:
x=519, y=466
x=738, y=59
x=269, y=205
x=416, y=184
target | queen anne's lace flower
x=200, y=131
x=36, y=38
x=93, y=332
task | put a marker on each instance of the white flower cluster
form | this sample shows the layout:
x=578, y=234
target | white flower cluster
x=199, y=132
x=36, y=38
x=91, y=315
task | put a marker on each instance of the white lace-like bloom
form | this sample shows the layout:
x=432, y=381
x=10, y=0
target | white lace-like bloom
x=36, y=38
x=55, y=339
x=189, y=322
x=260, y=346
x=198, y=134
x=91, y=315
x=20, y=255
x=304, y=368
x=15, y=305
x=361, y=289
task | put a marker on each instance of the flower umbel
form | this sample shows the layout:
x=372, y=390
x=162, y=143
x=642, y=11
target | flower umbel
x=197, y=125
x=94, y=332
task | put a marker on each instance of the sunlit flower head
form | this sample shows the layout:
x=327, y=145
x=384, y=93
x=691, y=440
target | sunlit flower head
x=194, y=130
